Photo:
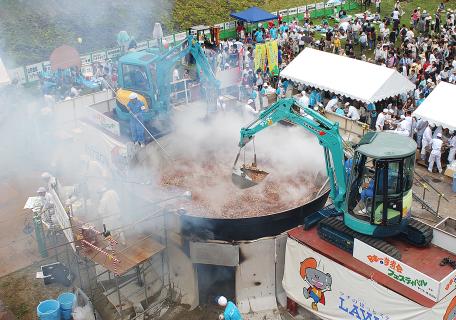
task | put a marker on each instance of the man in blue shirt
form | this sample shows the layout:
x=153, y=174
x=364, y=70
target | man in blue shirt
x=273, y=33
x=283, y=27
x=231, y=311
x=259, y=36
x=136, y=108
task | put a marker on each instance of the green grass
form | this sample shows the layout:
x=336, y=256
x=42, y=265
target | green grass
x=188, y=13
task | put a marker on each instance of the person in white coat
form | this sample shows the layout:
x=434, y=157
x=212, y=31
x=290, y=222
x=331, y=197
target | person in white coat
x=452, y=145
x=304, y=100
x=331, y=105
x=352, y=113
x=436, y=153
x=426, y=141
x=419, y=129
x=110, y=213
x=404, y=127
x=381, y=120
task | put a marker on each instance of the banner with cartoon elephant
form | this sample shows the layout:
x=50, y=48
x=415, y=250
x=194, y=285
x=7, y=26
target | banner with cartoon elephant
x=333, y=292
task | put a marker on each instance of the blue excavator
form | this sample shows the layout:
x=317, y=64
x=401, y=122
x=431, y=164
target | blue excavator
x=148, y=73
x=371, y=191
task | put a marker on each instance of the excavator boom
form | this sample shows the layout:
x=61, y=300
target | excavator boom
x=326, y=131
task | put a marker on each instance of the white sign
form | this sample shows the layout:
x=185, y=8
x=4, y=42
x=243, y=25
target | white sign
x=180, y=36
x=33, y=71
x=447, y=285
x=284, y=12
x=397, y=270
x=109, y=151
x=47, y=66
x=292, y=11
x=319, y=5
x=169, y=39
x=62, y=218
x=113, y=53
x=99, y=56
x=343, y=294
x=103, y=121
x=86, y=59
x=302, y=9
x=30, y=204
x=142, y=45
x=229, y=25
x=310, y=7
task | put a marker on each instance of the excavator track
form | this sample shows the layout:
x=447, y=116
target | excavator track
x=333, y=230
x=417, y=233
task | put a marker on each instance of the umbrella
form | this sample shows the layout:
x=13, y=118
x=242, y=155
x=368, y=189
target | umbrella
x=65, y=57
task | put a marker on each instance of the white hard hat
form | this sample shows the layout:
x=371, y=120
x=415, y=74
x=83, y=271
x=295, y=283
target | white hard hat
x=45, y=175
x=249, y=101
x=222, y=301
x=347, y=103
x=391, y=111
x=41, y=190
x=402, y=116
x=133, y=95
x=385, y=110
x=439, y=135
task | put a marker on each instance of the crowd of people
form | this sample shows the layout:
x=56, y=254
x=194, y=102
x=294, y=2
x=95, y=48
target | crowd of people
x=64, y=84
x=422, y=47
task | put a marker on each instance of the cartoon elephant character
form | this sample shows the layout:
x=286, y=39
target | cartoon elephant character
x=450, y=313
x=319, y=282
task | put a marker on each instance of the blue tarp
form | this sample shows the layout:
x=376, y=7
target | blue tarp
x=253, y=15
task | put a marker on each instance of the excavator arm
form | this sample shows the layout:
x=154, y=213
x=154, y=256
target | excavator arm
x=169, y=59
x=326, y=131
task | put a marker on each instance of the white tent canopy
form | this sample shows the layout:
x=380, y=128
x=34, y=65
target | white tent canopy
x=4, y=78
x=345, y=76
x=439, y=108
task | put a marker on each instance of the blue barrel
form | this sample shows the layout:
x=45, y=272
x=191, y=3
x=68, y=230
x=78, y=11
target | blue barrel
x=454, y=182
x=48, y=310
x=66, y=300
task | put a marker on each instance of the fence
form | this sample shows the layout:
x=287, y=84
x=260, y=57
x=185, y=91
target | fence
x=29, y=74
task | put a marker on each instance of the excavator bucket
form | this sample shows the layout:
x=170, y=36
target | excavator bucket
x=247, y=176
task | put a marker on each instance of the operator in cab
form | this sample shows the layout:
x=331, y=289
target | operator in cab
x=136, y=108
x=231, y=311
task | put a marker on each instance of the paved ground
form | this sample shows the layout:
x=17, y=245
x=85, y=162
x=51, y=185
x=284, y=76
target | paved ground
x=443, y=184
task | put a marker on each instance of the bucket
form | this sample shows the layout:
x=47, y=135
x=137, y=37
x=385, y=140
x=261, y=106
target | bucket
x=48, y=310
x=66, y=300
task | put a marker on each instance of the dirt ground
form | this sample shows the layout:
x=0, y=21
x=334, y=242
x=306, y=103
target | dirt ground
x=21, y=292
x=17, y=248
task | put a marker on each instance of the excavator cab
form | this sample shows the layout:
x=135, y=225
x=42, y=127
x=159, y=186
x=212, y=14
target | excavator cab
x=379, y=196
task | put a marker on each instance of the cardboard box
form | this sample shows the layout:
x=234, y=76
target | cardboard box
x=449, y=172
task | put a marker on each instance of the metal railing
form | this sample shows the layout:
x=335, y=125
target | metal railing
x=427, y=186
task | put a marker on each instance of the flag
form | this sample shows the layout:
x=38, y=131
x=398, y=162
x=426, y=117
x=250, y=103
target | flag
x=273, y=57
